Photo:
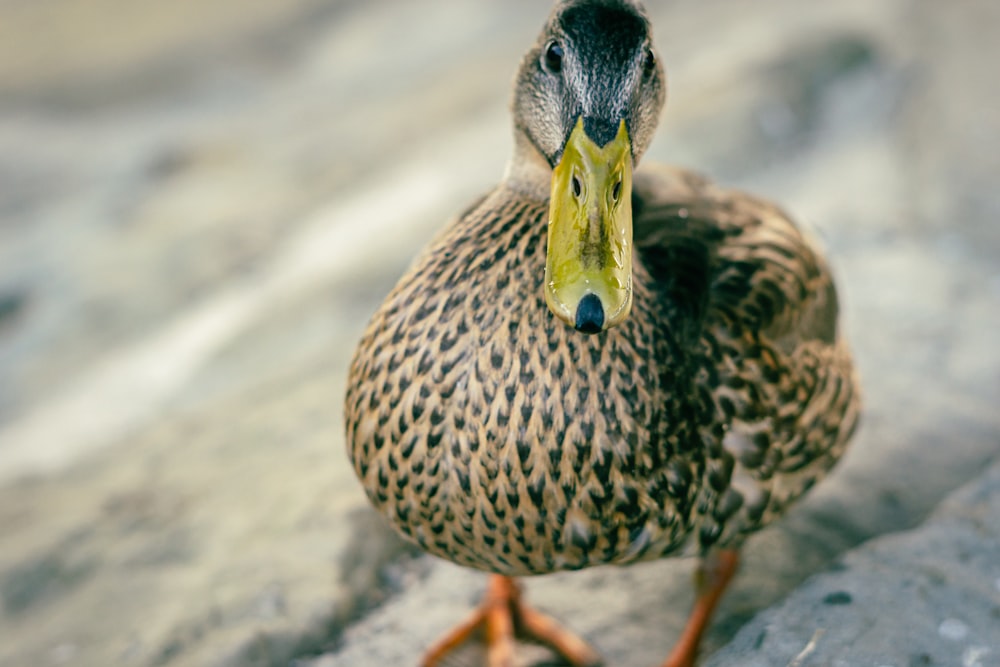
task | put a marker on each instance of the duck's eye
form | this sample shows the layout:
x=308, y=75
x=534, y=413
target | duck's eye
x=552, y=58
x=649, y=63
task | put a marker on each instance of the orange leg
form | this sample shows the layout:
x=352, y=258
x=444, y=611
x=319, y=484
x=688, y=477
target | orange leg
x=503, y=615
x=711, y=579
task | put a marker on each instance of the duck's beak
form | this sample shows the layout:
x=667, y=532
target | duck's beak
x=588, y=268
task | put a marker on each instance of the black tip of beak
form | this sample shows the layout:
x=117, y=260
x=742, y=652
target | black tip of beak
x=590, y=315
x=600, y=130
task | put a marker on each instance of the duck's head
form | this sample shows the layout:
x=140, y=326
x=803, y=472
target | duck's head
x=587, y=101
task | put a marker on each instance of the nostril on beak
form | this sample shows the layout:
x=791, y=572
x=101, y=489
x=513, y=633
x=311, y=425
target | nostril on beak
x=590, y=315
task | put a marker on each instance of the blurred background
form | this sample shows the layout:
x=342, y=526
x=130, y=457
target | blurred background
x=202, y=203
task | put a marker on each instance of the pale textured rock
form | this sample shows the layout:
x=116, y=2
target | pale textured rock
x=216, y=539
x=923, y=597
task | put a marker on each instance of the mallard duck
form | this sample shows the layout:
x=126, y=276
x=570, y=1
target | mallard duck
x=594, y=365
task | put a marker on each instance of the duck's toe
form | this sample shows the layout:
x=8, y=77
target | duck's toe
x=501, y=618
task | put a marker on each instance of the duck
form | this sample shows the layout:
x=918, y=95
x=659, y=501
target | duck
x=595, y=363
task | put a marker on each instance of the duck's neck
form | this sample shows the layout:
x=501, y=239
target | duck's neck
x=528, y=172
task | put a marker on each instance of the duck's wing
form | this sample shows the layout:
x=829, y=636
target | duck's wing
x=727, y=257
x=753, y=300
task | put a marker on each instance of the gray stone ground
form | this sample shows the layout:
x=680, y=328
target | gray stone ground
x=201, y=203
x=930, y=596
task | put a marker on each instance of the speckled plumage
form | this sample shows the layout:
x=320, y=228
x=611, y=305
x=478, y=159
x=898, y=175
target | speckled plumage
x=593, y=365
x=496, y=436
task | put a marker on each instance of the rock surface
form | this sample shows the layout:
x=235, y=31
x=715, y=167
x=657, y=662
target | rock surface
x=199, y=207
x=930, y=596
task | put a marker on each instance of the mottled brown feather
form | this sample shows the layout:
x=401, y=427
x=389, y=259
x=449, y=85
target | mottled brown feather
x=496, y=436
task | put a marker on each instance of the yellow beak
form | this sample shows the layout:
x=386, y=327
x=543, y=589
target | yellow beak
x=588, y=266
